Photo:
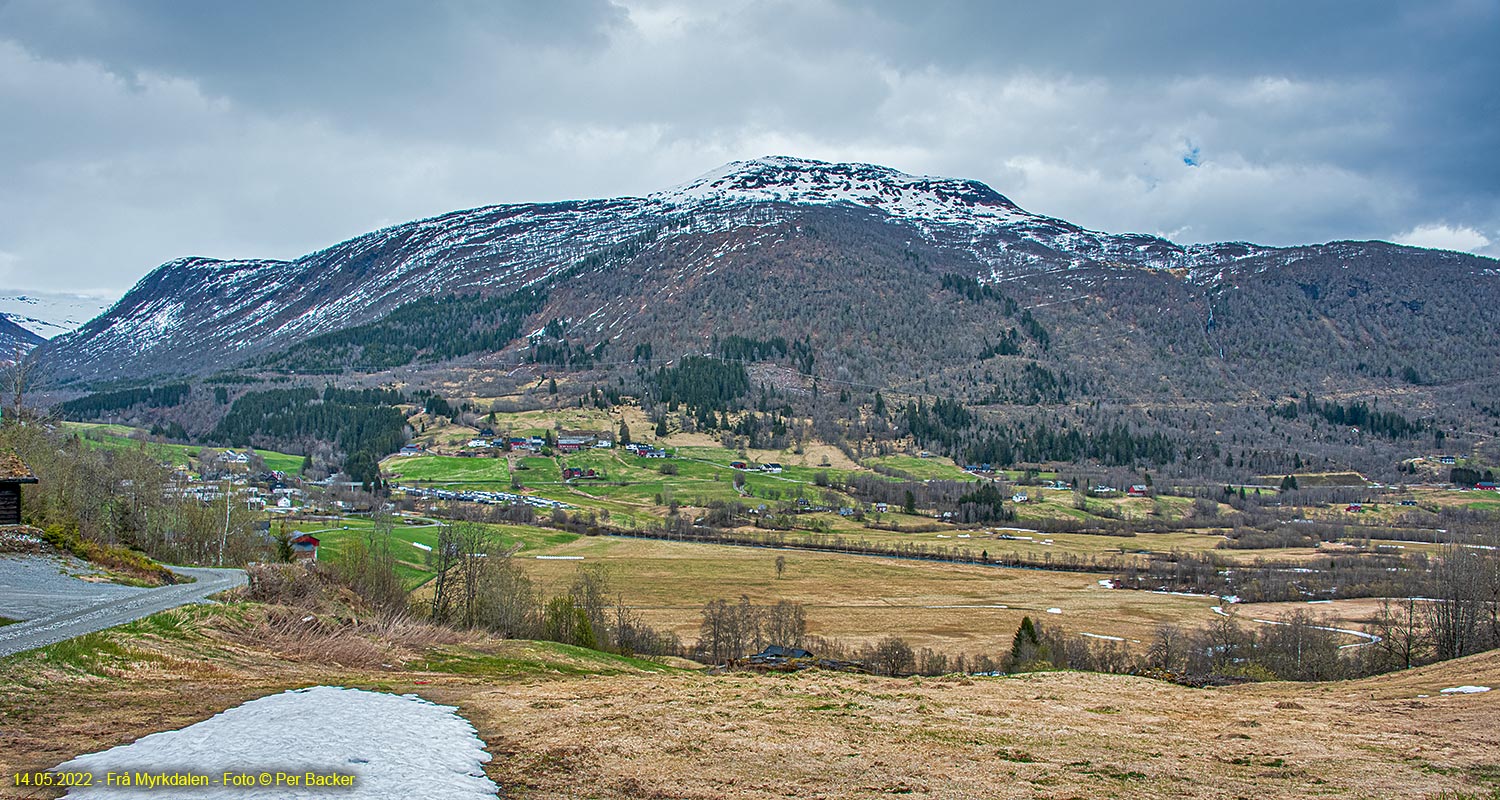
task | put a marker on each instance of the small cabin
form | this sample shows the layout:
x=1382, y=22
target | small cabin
x=305, y=546
x=777, y=654
x=13, y=473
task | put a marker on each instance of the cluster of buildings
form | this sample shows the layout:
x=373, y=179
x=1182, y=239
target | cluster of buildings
x=564, y=443
x=645, y=450
x=770, y=467
x=484, y=497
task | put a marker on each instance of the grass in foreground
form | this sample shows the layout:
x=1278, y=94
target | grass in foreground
x=566, y=723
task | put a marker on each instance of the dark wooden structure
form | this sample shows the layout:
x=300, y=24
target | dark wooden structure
x=13, y=473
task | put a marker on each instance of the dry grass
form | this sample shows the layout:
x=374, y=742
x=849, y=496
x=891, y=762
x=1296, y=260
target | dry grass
x=566, y=724
x=948, y=607
x=1061, y=735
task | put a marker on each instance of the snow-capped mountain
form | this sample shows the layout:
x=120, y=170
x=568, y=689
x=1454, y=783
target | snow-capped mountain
x=997, y=230
x=757, y=245
x=49, y=314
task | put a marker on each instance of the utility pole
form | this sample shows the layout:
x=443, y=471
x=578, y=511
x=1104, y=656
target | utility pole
x=228, y=500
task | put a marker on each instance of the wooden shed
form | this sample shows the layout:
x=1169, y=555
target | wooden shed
x=305, y=546
x=13, y=473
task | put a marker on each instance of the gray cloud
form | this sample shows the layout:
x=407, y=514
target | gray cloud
x=138, y=132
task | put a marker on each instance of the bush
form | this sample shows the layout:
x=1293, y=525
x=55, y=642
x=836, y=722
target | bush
x=134, y=567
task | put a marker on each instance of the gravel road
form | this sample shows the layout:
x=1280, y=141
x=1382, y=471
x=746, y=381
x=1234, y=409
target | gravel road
x=57, y=606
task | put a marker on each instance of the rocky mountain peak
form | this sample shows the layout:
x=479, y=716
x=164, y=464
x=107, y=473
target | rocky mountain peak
x=806, y=181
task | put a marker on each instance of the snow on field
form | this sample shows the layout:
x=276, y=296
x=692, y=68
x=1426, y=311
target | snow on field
x=1054, y=611
x=1466, y=690
x=395, y=746
x=1103, y=636
x=1369, y=638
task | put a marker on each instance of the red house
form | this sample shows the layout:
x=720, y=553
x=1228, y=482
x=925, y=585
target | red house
x=305, y=546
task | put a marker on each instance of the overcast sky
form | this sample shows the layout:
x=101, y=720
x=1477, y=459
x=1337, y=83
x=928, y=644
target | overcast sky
x=135, y=132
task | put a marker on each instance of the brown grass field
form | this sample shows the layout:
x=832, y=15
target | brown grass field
x=563, y=723
x=948, y=607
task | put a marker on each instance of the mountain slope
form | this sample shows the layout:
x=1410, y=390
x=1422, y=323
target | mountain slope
x=858, y=261
x=15, y=339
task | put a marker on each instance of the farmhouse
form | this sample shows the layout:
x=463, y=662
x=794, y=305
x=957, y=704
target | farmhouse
x=1138, y=490
x=13, y=473
x=771, y=467
x=572, y=444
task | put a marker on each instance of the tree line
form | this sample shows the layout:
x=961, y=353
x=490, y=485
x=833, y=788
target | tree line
x=91, y=406
x=429, y=329
x=359, y=423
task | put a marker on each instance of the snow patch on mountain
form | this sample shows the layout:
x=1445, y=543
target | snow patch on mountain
x=804, y=181
x=49, y=314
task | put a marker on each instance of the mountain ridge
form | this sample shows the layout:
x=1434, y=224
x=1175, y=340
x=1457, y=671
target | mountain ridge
x=195, y=314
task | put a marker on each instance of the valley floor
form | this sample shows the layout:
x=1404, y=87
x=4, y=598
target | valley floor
x=562, y=722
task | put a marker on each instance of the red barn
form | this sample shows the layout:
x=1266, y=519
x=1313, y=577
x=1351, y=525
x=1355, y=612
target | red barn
x=305, y=546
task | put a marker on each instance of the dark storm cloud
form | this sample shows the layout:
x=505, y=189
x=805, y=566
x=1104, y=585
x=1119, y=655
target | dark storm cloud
x=136, y=132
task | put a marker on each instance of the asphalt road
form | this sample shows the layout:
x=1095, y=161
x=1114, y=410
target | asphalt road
x=116, y=610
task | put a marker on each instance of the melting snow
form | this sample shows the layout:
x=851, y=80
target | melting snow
x=1466, y=690
x=396, y=746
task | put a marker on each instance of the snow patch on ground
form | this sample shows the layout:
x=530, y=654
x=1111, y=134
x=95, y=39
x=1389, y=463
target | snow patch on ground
x=1466, y=690
x=396, y=746
x=1054, y=611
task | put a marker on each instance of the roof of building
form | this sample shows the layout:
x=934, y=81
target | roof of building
x=13, y=469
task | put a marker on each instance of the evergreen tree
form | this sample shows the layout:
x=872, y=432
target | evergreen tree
x=1026, y=645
